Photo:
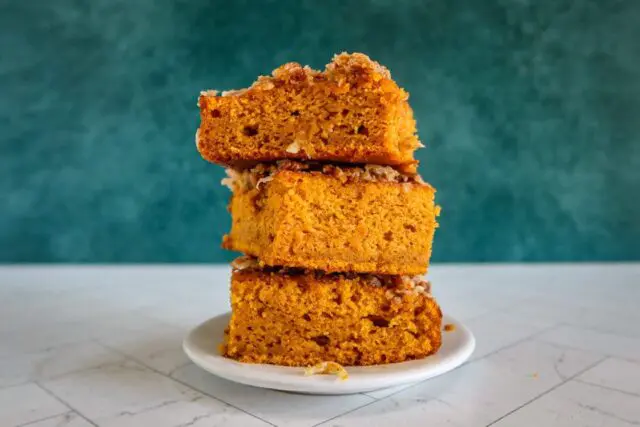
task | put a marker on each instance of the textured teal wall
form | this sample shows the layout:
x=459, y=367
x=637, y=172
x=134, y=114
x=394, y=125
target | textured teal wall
x=530, y=110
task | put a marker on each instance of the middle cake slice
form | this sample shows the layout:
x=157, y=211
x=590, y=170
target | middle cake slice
x=365, y=219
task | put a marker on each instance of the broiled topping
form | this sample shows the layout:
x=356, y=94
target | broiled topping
x=248, y=179
x=293, y=148
x=353, y=69
x=396, y=286
x=245, y=262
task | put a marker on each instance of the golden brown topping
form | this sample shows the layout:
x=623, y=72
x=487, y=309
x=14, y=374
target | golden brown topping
x=351, y=68
x=408, y=285
x=209, y=92
x=244, y=262
x=356, y=66
x=247, y=179
x=233, y=92
x=236, y=180
x=374, y=281
x=264, y=83
x=396, y=286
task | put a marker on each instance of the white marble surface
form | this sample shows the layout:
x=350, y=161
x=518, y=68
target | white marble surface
x=557, y=345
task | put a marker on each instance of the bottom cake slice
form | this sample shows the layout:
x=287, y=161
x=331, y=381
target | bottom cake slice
x=299, y=318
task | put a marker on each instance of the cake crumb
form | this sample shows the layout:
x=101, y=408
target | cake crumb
x=293, y=148
x=327, y=368
x=244, y=262
x=449, y=327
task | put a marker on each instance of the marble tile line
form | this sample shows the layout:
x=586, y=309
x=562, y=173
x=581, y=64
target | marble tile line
x=520, y=341
x=604, y=387
x=162, y=404
x=185, y=384
x=58, y=376
x=561, y=323
x=599, y=331
x=571, y=347
x=513, y=344
x=133, y=358
x=615, y=356
x=39, y=351
x=27, y=424
x=177, y=368
x=373, y=400
x=59, y=399
x=18, y=384
x=564, y=381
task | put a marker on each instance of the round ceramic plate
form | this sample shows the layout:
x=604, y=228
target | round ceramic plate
x=201, y=346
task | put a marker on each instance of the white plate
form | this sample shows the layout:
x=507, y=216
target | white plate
x=201, y=346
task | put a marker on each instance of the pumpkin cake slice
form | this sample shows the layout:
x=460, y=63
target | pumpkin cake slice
x=369, y=219
x=300, y=317
x=353, y=112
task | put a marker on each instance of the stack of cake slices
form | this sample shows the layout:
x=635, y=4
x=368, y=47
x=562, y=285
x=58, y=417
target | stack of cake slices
x=335, y=224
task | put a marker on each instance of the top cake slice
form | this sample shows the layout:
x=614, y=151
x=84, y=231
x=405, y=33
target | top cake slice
x=352, y=112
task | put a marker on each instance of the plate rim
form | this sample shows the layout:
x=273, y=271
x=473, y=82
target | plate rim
x=361, y=378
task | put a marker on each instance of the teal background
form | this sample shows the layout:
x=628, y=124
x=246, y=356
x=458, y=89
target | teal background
x=530, y=111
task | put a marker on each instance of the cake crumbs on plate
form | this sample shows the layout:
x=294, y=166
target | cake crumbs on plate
x=449, y=327
x=327, y=368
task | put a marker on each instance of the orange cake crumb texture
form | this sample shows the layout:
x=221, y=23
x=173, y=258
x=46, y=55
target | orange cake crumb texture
x=313, y=220
x=352, y=112
x=309, y=318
